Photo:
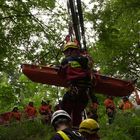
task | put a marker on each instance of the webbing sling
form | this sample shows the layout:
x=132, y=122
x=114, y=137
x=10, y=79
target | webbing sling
x=63, y=135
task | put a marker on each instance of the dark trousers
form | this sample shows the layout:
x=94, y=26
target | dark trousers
x=111, y=115
x=74, y=102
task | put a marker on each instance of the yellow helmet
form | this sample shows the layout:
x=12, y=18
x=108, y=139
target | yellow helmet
x=70, y=45
x=89, y=126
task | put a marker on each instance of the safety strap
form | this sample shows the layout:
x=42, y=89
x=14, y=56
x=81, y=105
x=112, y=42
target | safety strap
x=63, y=135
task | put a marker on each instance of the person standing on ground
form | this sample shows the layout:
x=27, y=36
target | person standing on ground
x=30, y=111
x=110, y=108
x=44, y=110
x=15, y=114
x=126, y=104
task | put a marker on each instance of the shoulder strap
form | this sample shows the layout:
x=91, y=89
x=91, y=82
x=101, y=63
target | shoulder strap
x=63, y=135
x=73, y=134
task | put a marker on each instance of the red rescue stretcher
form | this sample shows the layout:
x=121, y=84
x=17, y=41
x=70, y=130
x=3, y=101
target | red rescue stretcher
x=102, y=84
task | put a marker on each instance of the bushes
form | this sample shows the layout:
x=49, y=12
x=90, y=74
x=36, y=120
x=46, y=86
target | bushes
x=126, y=126
x=29, y=130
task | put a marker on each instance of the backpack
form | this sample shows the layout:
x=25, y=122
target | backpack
x=68, y=134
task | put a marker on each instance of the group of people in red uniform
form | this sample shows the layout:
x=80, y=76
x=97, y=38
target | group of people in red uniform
x=125, y=105
x=30, y=112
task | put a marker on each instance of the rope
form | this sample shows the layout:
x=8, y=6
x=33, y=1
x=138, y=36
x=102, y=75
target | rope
x=75, y=20
x=78, y=21
x=79, y=7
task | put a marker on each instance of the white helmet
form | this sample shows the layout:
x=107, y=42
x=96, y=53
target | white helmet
x=59, y=114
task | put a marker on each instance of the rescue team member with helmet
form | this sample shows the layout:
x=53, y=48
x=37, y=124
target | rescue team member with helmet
x=110, y=108
x=15, y=114
x=89, y=128
x=126, y=104
x=45, y=111
x=30, y=111
x=61, y=121
x=77, y=72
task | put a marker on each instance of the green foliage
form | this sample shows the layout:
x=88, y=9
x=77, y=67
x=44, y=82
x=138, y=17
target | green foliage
x=30, y=32
x=7, y=94
x=25, y=35
x=116, y=24
x=126, y=126
x=7, y=97
x=29, y=130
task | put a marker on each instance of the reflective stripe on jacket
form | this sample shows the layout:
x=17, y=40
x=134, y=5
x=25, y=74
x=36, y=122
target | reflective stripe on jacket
x=63, y=135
